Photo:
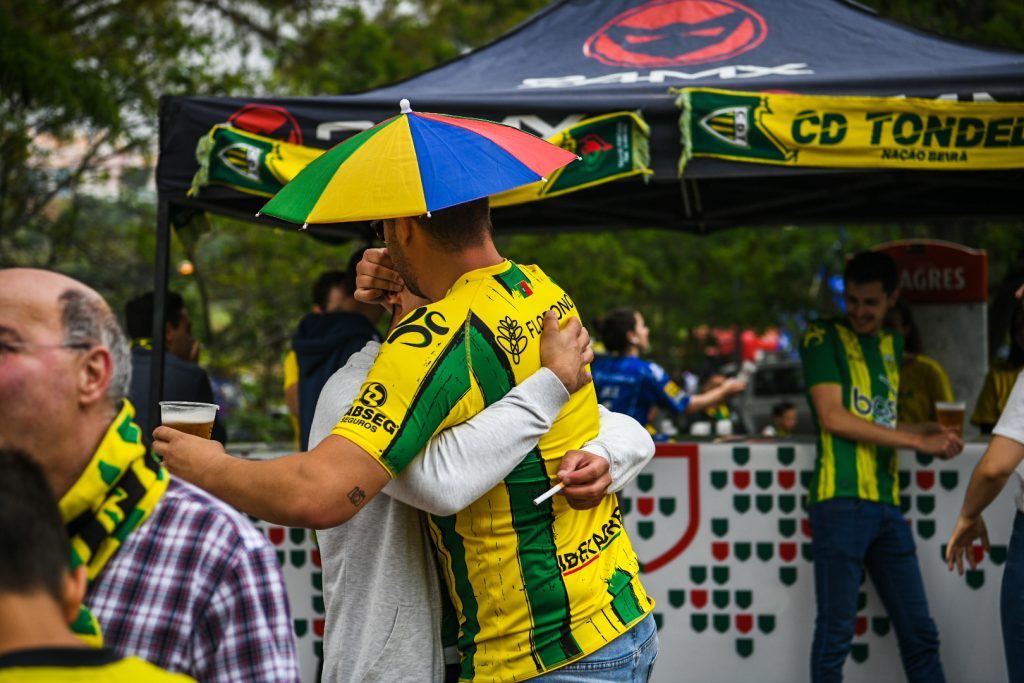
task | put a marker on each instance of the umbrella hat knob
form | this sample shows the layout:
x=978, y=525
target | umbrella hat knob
x=404, y=104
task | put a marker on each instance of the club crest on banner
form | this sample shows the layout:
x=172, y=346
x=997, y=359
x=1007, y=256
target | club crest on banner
x=661, y=516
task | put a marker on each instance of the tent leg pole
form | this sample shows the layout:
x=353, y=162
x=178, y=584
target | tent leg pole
x=161, y=272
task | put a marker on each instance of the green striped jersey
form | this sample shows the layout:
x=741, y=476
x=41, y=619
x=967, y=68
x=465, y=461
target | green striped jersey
x=534, y=587
x=867, y=370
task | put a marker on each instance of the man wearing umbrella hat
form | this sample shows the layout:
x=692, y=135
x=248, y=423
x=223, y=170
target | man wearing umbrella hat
x=538, y=588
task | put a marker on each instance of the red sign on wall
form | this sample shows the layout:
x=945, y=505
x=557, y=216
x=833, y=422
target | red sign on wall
x=936, y=272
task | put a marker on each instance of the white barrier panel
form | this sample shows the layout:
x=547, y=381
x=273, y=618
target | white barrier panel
x=723, y=536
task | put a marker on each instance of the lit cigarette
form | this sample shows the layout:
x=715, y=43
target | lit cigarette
x=550, y=492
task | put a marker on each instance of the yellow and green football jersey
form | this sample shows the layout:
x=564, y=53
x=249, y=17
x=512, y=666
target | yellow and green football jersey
x=535, y=587
x=867, y=368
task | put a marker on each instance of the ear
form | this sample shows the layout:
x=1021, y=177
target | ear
x=403, y=230
x=168, y=331
x=94, y=374
x=74, y=593
x=894, y=297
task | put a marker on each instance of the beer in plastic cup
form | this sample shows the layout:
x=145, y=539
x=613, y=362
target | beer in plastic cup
x=191, y=418
x=951, y=414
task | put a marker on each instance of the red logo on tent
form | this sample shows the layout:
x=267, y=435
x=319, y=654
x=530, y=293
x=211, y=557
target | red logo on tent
x=268, y=120
x=677, y=33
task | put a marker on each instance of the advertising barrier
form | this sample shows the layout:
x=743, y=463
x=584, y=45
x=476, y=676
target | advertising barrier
x=725, y=546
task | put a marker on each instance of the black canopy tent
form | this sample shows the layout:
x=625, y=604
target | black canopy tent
x=582, y=58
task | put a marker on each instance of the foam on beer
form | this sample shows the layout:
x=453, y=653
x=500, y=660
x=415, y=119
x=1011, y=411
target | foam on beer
x=189, y=415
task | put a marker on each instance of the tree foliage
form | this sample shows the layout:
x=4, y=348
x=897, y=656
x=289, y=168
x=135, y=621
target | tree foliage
x=88, y=74
x=85, y=77
x=357, y=49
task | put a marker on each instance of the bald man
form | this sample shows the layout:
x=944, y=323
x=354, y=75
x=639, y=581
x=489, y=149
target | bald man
x=175, y=576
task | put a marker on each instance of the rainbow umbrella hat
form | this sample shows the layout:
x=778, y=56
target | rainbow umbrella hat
x=413, y=164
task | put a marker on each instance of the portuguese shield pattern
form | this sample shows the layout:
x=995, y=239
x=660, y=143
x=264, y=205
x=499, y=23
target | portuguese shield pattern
x=725, y=548
x=299, y=558
x=725, y=545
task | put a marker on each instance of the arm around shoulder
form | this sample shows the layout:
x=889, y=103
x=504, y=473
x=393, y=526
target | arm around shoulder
x=464, y=462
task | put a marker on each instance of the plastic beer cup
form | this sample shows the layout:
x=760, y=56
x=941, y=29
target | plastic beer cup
x=191, y=418
x=951, y=414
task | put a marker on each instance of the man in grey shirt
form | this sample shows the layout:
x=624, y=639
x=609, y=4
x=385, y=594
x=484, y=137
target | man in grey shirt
x=381, y=590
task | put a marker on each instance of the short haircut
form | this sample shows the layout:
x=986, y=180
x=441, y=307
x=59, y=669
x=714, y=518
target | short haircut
x=459, y=226
x=33, y=543
x=614, y=328
x=138, y=314
x=872, y=266
x=780, y=408
x=87, y=320
x=325, y=283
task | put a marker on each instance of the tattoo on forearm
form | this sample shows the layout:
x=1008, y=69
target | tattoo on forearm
x=356, y=496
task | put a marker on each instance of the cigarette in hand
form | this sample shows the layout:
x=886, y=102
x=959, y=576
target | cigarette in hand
x=547, y=494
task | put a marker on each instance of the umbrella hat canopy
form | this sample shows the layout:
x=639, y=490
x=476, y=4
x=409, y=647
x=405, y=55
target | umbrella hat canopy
x=413, y=164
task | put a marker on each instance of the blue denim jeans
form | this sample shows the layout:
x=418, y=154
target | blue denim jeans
x=1011, y=602
x=849, y=536
x=627, y=659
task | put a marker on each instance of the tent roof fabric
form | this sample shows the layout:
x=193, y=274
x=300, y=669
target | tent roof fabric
x=581, y=58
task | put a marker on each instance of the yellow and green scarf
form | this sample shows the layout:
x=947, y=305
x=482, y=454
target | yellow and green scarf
x=115, y=494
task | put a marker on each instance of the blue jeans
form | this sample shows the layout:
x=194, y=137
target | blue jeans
x=849, y=536
x=1011, y=602
x=627, y=659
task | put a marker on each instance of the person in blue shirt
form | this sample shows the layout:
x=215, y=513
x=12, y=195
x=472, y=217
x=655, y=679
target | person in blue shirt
x=626, y=383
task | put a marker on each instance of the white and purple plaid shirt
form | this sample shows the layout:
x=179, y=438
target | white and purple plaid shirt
x=197, y=589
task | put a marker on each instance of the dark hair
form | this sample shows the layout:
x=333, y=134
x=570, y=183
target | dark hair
x=912, y=339
x=324, y=284
x=33, y=543
x=872, y=266
x=614, y=328
x=459, y=226
x=138, y=314
x=781, y=407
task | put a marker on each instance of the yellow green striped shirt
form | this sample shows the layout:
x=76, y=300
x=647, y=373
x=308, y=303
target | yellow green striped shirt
x=534, y=587
x=867, y=370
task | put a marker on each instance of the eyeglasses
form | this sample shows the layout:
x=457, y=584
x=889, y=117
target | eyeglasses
x=10, y=347
x=378, y=229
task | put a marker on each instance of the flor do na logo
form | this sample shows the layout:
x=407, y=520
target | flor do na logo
x=664, y=33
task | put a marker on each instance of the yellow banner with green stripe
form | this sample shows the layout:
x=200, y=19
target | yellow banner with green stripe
x=850, y=132
x=610, y=147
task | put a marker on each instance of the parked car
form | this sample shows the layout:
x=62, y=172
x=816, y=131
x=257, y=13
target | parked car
x=770, y=383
